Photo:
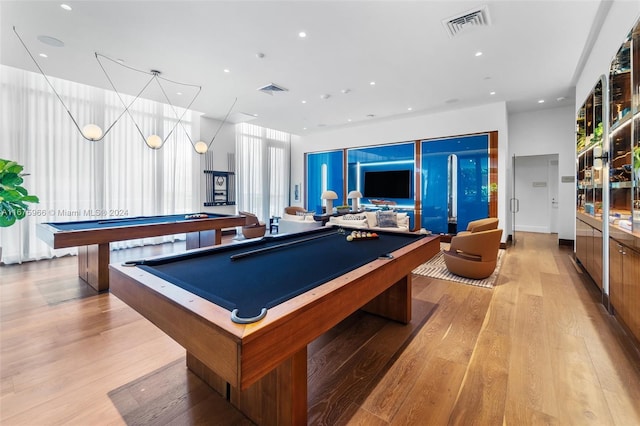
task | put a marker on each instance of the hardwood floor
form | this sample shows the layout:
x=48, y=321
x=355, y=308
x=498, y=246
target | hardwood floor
x=537, y=349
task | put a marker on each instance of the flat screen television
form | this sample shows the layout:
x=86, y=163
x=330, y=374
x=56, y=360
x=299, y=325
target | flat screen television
x=387, y=184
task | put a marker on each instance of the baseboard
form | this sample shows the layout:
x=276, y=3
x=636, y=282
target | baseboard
x=565, y=242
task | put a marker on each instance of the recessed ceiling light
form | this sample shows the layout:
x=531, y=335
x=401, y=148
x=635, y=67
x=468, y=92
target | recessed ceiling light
x=541, y=101
x=560, y=99
x=50, y=41
x=478, y=53
x=372, y=83
x=304, y=102
x=179, y=93
x=44, y=55
x=226, y=70
x=409, y=109
x=304, y=128
x=65, y=6
x=345, y=91
x=492, y=93
x=349, y=120
x=325, y=96
x=302, y=34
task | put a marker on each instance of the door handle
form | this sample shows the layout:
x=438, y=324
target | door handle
x=514, y=205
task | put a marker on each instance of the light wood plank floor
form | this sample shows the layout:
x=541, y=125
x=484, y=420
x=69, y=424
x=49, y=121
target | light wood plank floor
x=537, y=349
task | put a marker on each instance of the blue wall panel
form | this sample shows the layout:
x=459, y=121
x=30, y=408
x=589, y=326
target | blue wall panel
x=328, y=166
x=472, y=181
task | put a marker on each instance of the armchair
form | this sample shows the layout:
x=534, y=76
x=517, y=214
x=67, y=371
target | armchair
x=473, y=255
x=480, y=225
x=253, y=228
x=293, y=210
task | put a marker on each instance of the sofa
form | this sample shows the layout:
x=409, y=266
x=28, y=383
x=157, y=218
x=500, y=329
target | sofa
x=380, y=220
x=296, y=219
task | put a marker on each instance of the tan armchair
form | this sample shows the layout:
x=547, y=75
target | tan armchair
x=480, y=225
x=293, y=210
x=474, y=255
x=253, y=228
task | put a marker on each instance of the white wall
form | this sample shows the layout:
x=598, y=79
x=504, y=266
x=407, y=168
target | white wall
x=224, y=144
x=491, y=117
x=546, y=132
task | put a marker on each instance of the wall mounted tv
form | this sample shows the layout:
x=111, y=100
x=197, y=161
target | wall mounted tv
x=387, y=184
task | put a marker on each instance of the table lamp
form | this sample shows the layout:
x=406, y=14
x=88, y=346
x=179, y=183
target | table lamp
x=355, y=196
x=329, y=196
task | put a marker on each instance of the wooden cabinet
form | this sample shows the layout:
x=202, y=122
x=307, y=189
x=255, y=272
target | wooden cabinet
x=596, y=264
x=624, y=286
x=589, y=247
x=583, y=233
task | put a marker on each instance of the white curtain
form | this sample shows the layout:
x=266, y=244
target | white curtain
x=262, y=170
x=80, y=180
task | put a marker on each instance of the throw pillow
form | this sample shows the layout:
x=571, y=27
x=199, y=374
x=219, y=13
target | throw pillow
x=353, y=217
x=371, y=219
x=387, y=219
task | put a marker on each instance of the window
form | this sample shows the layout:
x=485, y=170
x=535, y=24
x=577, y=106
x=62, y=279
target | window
x=80, y=180
x=262, y=170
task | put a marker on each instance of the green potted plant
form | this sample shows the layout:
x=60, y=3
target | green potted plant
x=343, y=209
x=13, y=196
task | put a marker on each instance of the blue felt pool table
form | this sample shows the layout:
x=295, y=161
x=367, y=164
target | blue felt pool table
x=92, y=237
x=289, y=288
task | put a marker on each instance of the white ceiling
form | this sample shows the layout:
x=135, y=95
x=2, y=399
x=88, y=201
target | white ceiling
x=532, y=50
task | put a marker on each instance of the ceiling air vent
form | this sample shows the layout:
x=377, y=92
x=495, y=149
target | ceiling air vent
x=467, y=20
x=272, y=88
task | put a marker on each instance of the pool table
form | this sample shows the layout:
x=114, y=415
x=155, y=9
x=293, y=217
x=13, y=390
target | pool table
x=246, y=312
x=92, y=237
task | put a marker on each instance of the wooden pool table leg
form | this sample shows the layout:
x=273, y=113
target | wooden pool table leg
x=207, y=238
x=394, y=303
x=93, y=265
x=279, y=398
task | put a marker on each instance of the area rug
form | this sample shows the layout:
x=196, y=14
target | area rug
x=435, y=268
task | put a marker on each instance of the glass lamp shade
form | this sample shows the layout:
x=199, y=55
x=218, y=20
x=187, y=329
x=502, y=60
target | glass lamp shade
x=154, y=141
x=92, y=132
x=354, y=196
x=329, y=195
x=201, y=147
